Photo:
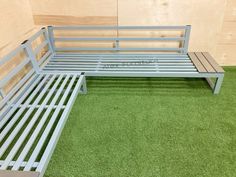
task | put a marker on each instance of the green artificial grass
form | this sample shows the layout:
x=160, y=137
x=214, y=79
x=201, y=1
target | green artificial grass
x=149, y=127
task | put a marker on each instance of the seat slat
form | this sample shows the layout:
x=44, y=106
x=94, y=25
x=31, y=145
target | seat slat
x=57, y=92
x=50, y=124
x=119, y=65
x=114, y=57
x=196, y=62
x=23, y=96
x=59, y=54
x=29, y=126
x=119, y=61
x=118, y=69
x=205, y=63
x=213, y=62
x=45, y=107
x=65, y=63
x=19, y=112
x=41, y=122
x=56, y=134
x=22, y=122
x=22, y=165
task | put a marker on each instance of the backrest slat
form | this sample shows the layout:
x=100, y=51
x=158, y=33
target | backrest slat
x=35, y=51
x=19, y=53
x=10, y=55
x=118, y=27
x=12, y=73
x=17, y=87
x=2, y=93
x=30, y=53
x=57, y=36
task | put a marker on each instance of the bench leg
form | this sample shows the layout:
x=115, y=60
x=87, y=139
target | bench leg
x=217, y=85
x=83, y=89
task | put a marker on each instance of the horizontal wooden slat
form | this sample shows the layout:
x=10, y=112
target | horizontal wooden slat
x=73, y=20
x=196, y=62
x=205, y=62
x=213, y=62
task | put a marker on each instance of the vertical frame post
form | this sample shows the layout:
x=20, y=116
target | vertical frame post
x=218, y=84
x=31, y=55
x=186, y=38
x=117, y=42
x=2, y=93
x=83, y=89
x=45, y=33
x=117, y=45
x=51, y=38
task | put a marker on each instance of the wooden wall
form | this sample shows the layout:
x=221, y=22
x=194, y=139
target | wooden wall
x=16, y=24
x=74, y=12
x=205, y=16
x=226, y=44
x=213, y=21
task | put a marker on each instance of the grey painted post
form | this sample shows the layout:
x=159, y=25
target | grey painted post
x=31, y=55
x=218, y=84
x=51, y=38
x=2, y=93
x=186, y=36
x=83, y=89
x=117, y=45
x=46, y=35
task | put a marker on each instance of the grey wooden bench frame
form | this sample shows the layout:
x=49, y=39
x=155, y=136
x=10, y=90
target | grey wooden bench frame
x=33, y=114
x=149, y=63
x=34, y=111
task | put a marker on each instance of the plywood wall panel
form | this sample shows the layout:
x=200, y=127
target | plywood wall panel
x=16, y=23
x=228, y=33
x=226, y=54
x=73, y=20
x=213, y=21
x=72, y=12
x=74, y=7
x=205, y=16
x=226, y=44
x=230, y=12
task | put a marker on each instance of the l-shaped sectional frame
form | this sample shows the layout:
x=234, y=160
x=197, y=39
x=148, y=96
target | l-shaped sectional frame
x=34, y=111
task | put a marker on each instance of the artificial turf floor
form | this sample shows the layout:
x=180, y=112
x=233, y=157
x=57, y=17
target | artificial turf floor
x=149, y=127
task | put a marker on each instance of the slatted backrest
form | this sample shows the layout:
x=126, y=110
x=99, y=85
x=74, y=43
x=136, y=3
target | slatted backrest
x=18, y=67
x=39, y=47
x=64, y=38
x=16, y=70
